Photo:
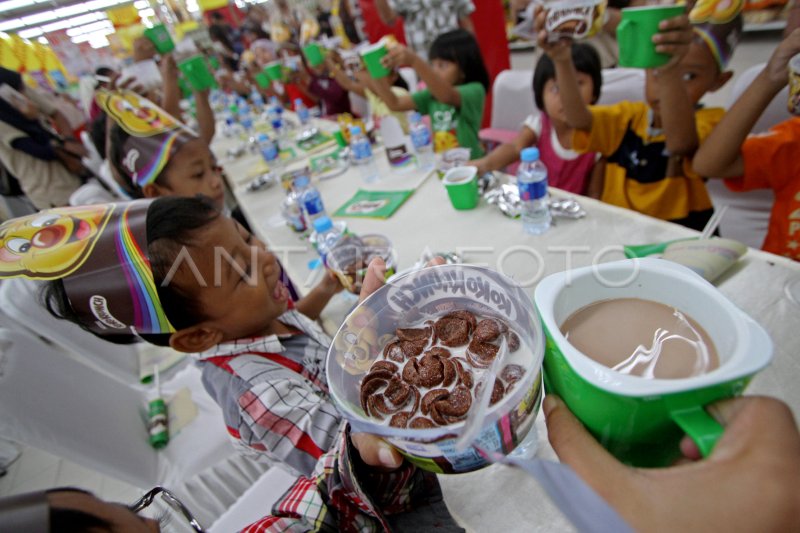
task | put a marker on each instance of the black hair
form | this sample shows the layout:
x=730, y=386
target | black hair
x=586, y=60
x=255, y=29
x=460, y=47
x=172, y=223
x=72, y=520
x=400, y=81
x=116, y=142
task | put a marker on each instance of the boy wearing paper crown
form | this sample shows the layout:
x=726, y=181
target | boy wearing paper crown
x=140, y=269
x=649, y=145
x=154, y=155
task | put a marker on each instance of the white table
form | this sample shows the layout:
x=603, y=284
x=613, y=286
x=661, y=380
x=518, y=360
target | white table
x=500, y=498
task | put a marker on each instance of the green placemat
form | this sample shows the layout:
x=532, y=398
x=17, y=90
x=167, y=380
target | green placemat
x=315, y=142
x=321, y=164
x=373, y=204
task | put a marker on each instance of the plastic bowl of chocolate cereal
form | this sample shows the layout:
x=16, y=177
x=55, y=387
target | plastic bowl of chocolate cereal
x=406, y=363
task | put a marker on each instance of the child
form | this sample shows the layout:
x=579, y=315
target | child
x=457, y=83
x=766, y=161
x=333, y=97
x=146, y=267
x=648, y=145
x=154, y=155
x=549, y=131
x=362, y=85
x=152, y=268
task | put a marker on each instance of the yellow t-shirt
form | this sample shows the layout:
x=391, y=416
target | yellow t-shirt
x=639, y=174
x=379, y=109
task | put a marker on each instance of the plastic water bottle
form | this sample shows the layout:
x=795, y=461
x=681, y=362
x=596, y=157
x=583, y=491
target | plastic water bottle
x=232, y=127
x=310, y=199
x=269, y=151
x=326, y=236
x=532, y=182
x=422, y=141
x=361, y=152
x=292, y=211
x=275, y=106
x=302, y=111
x=258, y=101
x=245, y=117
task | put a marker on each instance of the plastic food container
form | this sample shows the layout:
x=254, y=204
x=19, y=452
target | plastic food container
x=429, y=294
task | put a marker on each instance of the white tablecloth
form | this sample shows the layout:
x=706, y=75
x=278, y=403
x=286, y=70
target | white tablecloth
x=499, y=498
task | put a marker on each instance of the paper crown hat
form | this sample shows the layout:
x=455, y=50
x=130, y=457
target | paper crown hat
x=718, y=23
x=100, y=252
x=154, y=135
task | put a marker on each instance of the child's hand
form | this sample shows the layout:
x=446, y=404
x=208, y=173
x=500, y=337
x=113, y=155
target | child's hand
x=168, y=67
x=480, y=164
x=673, y=38
x=398, y=56
x=777, y=68
x=375, y=451
x=559, y=50
x=330, y=283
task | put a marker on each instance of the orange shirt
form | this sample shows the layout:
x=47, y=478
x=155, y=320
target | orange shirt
x=771, y=162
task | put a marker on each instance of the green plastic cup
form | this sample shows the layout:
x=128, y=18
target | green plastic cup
x=640, y=420
x=198, y=74
x=160, y=38
x=262, y=80
x=314, y=54
x=635, y=35
x=462, y=187
x=274, y=70
x=372, y=60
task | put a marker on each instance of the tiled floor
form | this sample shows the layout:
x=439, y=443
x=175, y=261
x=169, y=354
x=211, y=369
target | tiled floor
x=36, y=470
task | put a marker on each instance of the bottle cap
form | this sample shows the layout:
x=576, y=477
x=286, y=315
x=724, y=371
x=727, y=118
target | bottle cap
x=355, y=130
x=263, y=137
x=322, y=224
x=414, y=117
x=529, y=154
x=301, y=181
x=298, y=101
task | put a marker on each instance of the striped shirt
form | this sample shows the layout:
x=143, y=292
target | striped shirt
x=273, y=393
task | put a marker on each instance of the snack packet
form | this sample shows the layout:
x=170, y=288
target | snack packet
x=573, y=19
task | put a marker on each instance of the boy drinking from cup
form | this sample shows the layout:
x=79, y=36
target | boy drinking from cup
x=649, y=145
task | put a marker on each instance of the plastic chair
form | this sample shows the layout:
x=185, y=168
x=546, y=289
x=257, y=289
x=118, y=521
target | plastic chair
x=91, y=192
x=256, y=502
x=747, y=218
x=61, y=406
x=410, y=77
x=19, y=301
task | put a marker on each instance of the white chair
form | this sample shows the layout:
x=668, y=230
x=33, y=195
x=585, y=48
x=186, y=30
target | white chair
x=747, y=218
x=622, y=84
x=410, y=76
x=91, y=192
x=20, y=303
x=61, y=406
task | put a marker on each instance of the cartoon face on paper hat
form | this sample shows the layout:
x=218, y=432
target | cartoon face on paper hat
x=137, y=115
x=50, y=244
x=101, y=255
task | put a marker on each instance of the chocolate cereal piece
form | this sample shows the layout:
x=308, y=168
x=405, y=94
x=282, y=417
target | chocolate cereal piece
x=431, y=371
x=452, y=331
x=498, y=391
x=394, y=352
x=465, y=315
x=512, y=373
x=367, y=389
x=421, y=422
x=481, y=354
x=487, y=330
x=513, y=342
x=383, y=365
x=449, y=372
x=440, y=352
x=399, y=420
x=415, y=334
x=397, y=391
x=457, y=403
x=432, y=396
x=464, y=373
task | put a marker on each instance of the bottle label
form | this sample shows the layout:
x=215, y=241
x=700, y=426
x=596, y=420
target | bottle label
x=313, y=205
x=421, y=137
x=269, y=152
x=361, y=150
x=532, y=191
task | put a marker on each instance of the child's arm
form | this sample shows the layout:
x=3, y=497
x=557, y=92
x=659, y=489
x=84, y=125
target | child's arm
x=597, y=180
x=394, y=102
x=677, y=110
x=441, y=90
x=171, y=97
x=506, y=153
x=315, y=301
x=577, y=112
x=720, y=155
x=205, y=116
x=303, y=82
x=343, y=79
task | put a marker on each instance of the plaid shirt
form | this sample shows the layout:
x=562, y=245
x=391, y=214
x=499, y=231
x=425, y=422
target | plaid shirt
x=273, y=393
x=344, y=494
x=424, y=20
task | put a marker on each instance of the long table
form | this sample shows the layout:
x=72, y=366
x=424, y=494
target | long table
x=501, y=498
